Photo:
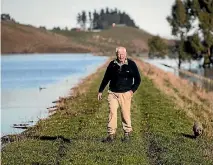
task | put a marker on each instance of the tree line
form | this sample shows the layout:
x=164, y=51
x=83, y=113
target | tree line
x=104, y=19
x=157, y=47
x=7, y=17
x=191, y=23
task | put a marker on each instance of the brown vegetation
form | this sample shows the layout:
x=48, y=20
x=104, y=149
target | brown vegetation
x=17, y=38
x=105, y=41
x=195, y=101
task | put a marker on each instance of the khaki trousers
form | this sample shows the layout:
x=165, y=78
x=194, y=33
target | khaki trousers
x=124, y=100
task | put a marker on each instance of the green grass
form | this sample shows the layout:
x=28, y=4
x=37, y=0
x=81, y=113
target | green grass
x=130, y=33
x=116, y=33
x=157, y=139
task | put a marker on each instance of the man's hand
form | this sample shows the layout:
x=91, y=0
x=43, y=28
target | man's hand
x=99, y=96
x=131, y=92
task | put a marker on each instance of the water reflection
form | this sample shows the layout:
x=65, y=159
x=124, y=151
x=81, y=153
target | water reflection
x=208, y=73
x=199, y=75
x=30, y=84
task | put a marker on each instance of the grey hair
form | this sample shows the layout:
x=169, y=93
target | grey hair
x=120, y=48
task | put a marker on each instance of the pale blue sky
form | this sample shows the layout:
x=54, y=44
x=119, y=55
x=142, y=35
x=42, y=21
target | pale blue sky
x=149, y=15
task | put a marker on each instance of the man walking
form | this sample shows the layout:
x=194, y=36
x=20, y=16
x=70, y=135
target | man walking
x=124, y=78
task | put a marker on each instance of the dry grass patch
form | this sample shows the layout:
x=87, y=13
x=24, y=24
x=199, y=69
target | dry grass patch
x=196, y=102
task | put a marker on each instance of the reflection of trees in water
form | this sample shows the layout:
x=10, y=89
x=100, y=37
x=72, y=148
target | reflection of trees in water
x=208, y=73
x=208, y=86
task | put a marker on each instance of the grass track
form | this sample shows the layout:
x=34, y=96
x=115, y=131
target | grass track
x=158, y=136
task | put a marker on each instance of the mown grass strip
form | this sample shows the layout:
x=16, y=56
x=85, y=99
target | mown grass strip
x=168, y=132
x=157, y=138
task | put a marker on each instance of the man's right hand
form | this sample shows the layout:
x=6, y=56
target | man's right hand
x=99, y=96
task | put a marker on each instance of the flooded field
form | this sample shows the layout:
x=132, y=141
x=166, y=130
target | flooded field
x=190, y=71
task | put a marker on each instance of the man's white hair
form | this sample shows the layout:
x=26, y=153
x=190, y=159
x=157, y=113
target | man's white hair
x=120, y=48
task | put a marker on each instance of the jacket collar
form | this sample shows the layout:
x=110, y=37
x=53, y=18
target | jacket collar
x=125, y=62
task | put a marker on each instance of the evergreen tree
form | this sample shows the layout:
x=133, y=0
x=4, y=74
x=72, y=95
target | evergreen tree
x=56, y=29
x=116, y=11
x=203, y=10
x=194, y=46
x=102, y=13
x=105, y=18
x=107, y=11
x=5, y=17
x=79, y=20
x=84, y=19
x=95, y=19
x=90, y=20
x=184, y=13
x=181, y=25
x=157, y=47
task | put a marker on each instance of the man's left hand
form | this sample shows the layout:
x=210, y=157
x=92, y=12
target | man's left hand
x=131, y=92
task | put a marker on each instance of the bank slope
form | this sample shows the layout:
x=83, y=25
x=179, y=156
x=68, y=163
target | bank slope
x=19, y=38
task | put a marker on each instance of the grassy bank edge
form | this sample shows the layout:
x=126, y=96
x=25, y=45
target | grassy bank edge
x=159, y=143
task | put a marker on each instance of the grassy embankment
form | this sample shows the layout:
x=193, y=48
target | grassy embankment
x=162, y=130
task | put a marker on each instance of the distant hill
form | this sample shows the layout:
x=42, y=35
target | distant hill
x=135, y=40
x=18, y=38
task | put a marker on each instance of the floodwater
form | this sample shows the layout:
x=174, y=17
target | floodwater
x=171, y=65
x=30, y=83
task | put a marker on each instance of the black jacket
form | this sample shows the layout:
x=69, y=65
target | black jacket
x=122, y=78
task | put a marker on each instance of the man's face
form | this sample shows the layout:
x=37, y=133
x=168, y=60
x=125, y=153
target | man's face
x=121, y=55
